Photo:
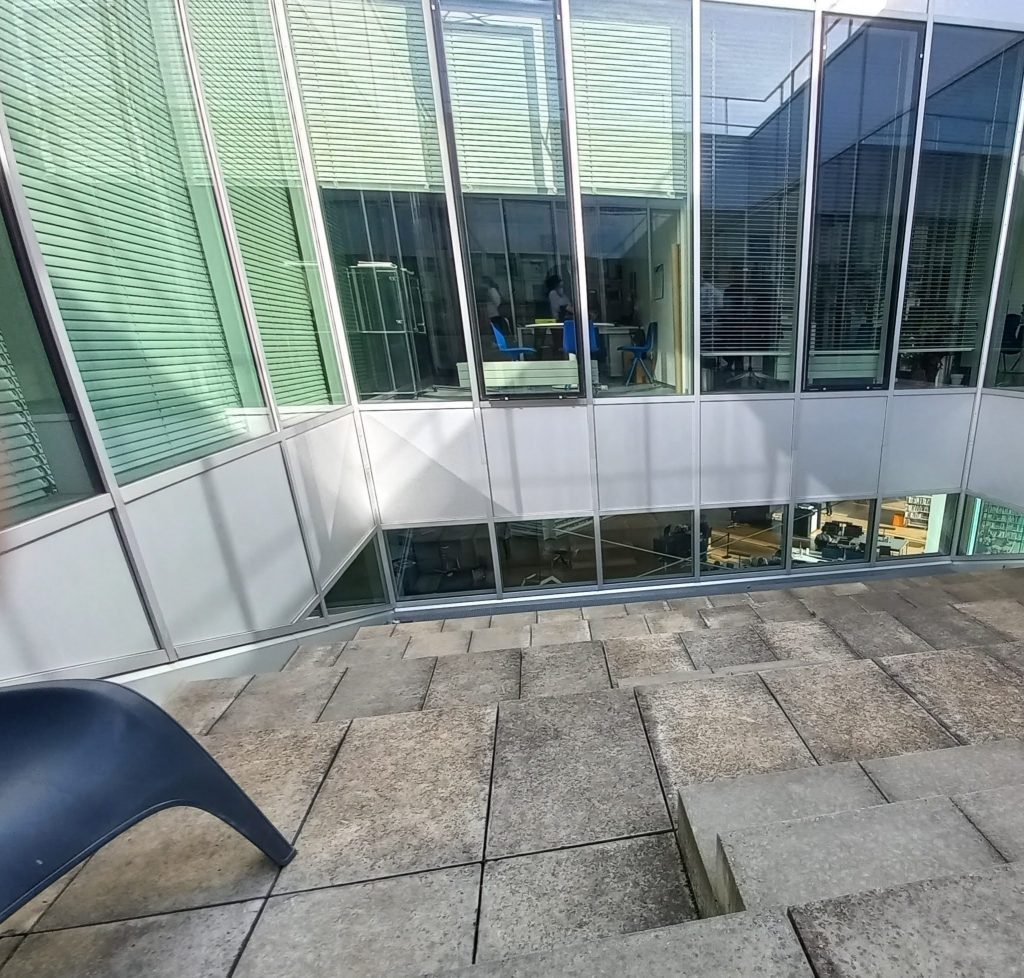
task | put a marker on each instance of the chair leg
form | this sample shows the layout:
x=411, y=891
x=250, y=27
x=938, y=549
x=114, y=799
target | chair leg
x=647, y=372
x=632, y=370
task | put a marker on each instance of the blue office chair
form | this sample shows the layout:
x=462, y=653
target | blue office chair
x=515, y=352
x=641, y=354
x=569, y=338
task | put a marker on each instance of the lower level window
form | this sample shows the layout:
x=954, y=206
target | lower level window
x=360, y=585
x=916, y=526
x=441, y=560
x=741, y=538
x=991, y=528
x=831, y=532
x=638, y=546
x=547, y=553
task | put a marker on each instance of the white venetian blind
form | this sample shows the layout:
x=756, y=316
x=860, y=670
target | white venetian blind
x=366, y=93
x=503, y=85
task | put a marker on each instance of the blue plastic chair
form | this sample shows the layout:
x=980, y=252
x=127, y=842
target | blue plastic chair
x=516, y=352
x=569, y=337
x=82, y=761
x=641, y=354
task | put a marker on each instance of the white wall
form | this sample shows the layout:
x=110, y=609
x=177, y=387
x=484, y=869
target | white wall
x=925, y=442
x=997, y=466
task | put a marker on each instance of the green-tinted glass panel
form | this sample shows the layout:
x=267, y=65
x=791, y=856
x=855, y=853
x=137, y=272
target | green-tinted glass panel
x=359, y=586
x=106, y=139
x=248, y=109
x=546, y=553
x=991, y=528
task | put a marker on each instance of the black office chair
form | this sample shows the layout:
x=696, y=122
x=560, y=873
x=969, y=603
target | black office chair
x=1012, y=343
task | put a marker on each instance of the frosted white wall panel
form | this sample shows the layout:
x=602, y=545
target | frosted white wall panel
x=428, y=465
x=1008, y=13
x=839, y=447
x=539, y=459
x=925, y=442
x=644, y=456
x=332, y=492
x=68, y=599
x=746, y=449
x=997, y=467
x=878, y=8
x=223, y=550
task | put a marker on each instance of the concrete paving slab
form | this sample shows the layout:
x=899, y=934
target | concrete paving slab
x=964, y=926
x=474, y=679
x=646, y=655
x=498, y=638
x=199, y=704
x=891, y=601
x=372, y=689
x=674, y=622
x=974, y=696
x=558, y=614
x=690, y=605
x=197, y=943
x=706, y=810
x=375, y=631
x=279, y=699
x=407, y=793
x=645, y=607
x=314, y=655
x=662, y=678
x=812, y=640
x=632, y=626
x=875, y=634
x=998, y=814
x=848, y=711
x=947, y=628
x=592, y=611
x=954, y=771
x=717, y=648
x=8, y=945
x=559, y=633
x=784, y=864
x=466, y=624
x=718, y=728
x=361, y=650
x=569, y=770
x=23, y=920
x=531, y=903
x=732, y=617
x=739, y=946
x=790, y=610
x=729, y=600
x=557, y=670
x=412, y=925
x=432, y=644
x=513, y=619
x=414, y=628
x=1004, y=615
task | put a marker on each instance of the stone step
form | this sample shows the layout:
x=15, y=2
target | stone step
x=738, y=946
x=783, y=864
x=965, y=925
x=998, y=813
x=708, y=810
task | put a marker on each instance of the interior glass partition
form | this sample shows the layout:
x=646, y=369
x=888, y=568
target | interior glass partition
x=831, y=532
x=867, y=123
x=633, y=92
x=991, y=528
x=641, y=546
x=367, y=96
x=742, y=538
x=440, y=560
x=546, y=553
x=755, y=103
x=501, y=66
x=916, y=526
x=970, y=115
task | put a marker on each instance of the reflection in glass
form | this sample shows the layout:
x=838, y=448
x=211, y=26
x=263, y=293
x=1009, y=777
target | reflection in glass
x=831, y=532
x=755, y=91
x=440, y=560
x=632, y=78
x=502, y=84
x=741, y=538
x=546, y=553
x=245, y=98
x=102, y=119
x=991, y=528
x=916, y=526
x=44, y=459
x=970, y=116
x=366, y=91
x=865, y=142
x=640, y=546
x=360, y=584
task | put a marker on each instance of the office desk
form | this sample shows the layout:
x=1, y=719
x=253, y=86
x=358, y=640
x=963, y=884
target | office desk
x=521, y=332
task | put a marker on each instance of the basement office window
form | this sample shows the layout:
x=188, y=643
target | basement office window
x=641, y=546
x=44, y=459
x=755, y=91
x=546, y=553
x=1006, y=353
x=502, y=76
x=246, y=102
x=831, y=532
x=441, y=560
x=865, y=144
x=991, y=528
x=360, y=587
x=632, y=74
x=742, y=538
x=916, y=526
x=970, y=115
x=101, y=118
x=369, y=109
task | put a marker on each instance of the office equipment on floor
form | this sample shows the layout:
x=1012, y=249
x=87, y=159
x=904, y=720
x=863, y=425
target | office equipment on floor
x=642, y=353
x=515, y=352
x=82, y=761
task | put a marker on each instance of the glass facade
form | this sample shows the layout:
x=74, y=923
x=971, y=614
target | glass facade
x=916, y=526
x=546, y=553
x=991, y=529
x=867, y=122
x=440, y=561
x=360, y=587
x=830, y=532
x=742, y=538
x=755, y=104
x=645, y=546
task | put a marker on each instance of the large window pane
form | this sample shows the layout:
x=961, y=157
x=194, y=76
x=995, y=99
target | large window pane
x=916, y=526
x=641, y=546
x=105, y=134
x=831, y=532
x=990, y=528
x=755, y=88
x=631, y=67
x=742, y=538
x=502, y=70
x=360, y=586
x=865, y=142
x=369, y=108
x=43, y=454
x=246, y=102
x=546, y=553
x=969, y=121
x=441, y=560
